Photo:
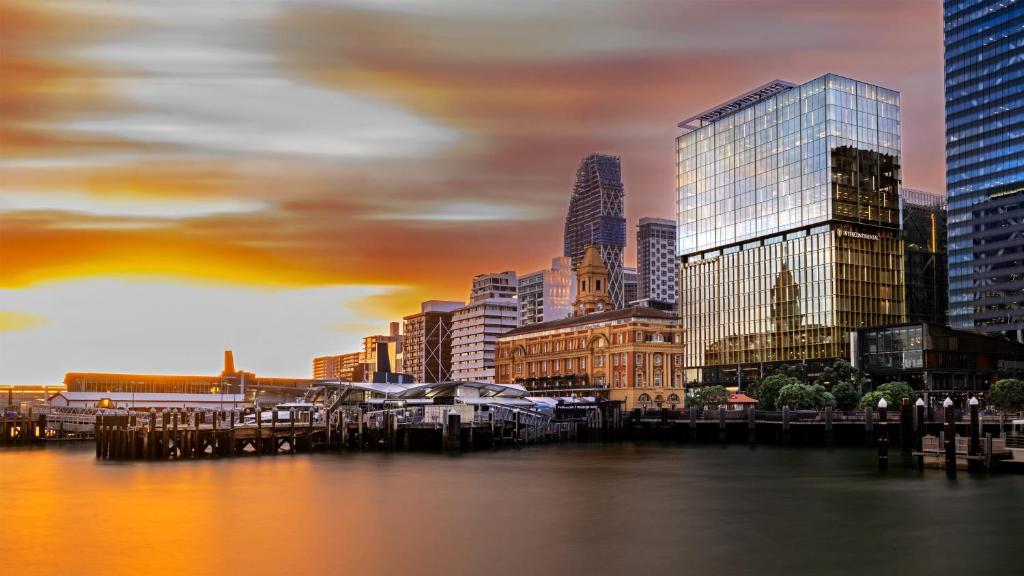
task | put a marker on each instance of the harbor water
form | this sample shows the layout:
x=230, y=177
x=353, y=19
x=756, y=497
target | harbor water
x=559, y=509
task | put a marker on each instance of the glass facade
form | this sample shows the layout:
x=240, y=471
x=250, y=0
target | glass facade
x=984, y=43
x=789, y=227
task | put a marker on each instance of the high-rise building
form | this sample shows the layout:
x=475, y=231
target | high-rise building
x=493, y=309
x=630, y=284
x=427, y=342
x=924, y=236
x=656, y=264
x=789, y=226
x=340, y=367
x=984, y=166
x=547, y=294
x=596, y=217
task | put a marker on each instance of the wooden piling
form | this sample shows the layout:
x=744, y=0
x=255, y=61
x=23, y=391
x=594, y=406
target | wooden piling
x=721, y=425
x=829, y=438
x=906, y=426
x=785, y=425
x=949, y=415
x=869, y=426
x=751, y=425
x=919, y=433
x=883, y=439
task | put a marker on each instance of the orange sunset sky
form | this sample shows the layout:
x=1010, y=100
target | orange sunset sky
x=283, y=178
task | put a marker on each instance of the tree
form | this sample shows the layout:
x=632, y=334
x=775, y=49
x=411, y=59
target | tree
x=767, y=390
x=1007, y=394
x=893, y=392
x=846, y=396
x=709, y=396
x=840, y=372
x=795, y=371
x=800, y=396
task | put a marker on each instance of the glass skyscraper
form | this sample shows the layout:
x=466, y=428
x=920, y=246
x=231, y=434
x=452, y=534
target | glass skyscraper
x=985, y=164
x=596, y=217
x=789, y=226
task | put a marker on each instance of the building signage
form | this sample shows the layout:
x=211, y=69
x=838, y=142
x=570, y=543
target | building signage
x=860, y=235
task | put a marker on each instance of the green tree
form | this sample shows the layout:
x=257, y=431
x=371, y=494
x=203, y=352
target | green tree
x=800, y=396
x=712, y=396
x=846, y=396
x=1007, y=394
x=767, y=390
x=796, y=371
x=840, y=372
x=893, y=392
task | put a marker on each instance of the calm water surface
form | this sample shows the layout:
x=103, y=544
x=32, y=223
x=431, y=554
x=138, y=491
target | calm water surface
x=619, y=509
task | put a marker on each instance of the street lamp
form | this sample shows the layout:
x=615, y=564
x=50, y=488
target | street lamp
x=882, y=404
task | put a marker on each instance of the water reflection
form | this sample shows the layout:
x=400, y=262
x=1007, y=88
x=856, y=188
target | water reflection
x=549, y=510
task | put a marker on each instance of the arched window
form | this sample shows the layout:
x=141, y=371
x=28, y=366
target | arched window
x=673, y=399
x=658, y=337
x=644, y=400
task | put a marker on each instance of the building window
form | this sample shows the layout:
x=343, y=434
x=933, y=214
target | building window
x=599, y=360
x=644, y=400
x=673, y=399
x=639, y=358
x=657, y=379
x=639, y=336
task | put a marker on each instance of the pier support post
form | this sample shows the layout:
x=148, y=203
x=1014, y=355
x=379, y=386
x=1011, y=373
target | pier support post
x=454, y=432
x=949, y=415
x=828, y=426
x=175, y=416
x=721, y=424
x=919, y=433
x=785, y=425
x=869, y=426
x=692, y=436
x=906, y=426
x=883, y=435
x=751, y=425
x=974, y=442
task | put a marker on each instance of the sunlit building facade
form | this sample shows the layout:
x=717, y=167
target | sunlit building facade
x=984, y=79
x=427, y=341
x=596, y=217
x=493, y=309
x=789, y=226
x=340, y=367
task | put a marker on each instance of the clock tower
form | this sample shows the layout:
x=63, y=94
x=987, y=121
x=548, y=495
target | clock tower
x=591, y=284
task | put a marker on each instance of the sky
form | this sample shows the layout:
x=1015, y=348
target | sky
x=283, y=178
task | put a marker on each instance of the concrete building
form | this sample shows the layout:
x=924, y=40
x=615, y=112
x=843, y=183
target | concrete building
x=984, y=171
x=656, y=264
x=339, y=367
x=372, y=345
x=789, y=226
x=925, y=257
x=595, y=217
x=547, y=294
x=633, y=354
x=427, y=345
x=493, y=309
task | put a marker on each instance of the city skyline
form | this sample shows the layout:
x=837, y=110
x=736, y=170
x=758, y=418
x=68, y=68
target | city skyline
x=167, y=193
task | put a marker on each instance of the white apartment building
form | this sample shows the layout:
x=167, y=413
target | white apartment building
x=493, y=309
x=547, y=294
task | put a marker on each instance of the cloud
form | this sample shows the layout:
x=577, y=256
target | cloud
x=19, y=321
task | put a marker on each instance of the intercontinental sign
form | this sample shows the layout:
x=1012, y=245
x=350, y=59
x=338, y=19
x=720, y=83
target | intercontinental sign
x=861, y=235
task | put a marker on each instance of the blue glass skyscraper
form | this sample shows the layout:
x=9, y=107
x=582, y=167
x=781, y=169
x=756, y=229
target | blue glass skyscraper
x=984, y=42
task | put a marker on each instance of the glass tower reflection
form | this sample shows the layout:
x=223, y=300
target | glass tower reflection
x=789, y=226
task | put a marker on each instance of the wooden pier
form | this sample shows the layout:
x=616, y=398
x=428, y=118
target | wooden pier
x=21, y=429
x=178, y=434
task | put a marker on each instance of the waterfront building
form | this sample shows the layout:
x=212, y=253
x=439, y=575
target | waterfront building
x=656, y=264
x=595, y=217
x=985, y=164
x=547, y=294
x=338, y=367
x=493, y=309
x=789, y=226
x=936, y=358
x=169, y=386
x=630, y=285
x=633, y=355
x=925, y=257
x=427, y=347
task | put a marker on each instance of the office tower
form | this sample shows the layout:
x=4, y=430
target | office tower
x=924, y=238
x=493, y=309
x=630, y=285
x=427, y=344
x=596, y=217
x=984, y=166
x=547, y=294
x=656, y=264
x=789, y=226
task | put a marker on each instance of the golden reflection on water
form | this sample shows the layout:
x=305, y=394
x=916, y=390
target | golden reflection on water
x=618, y=509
